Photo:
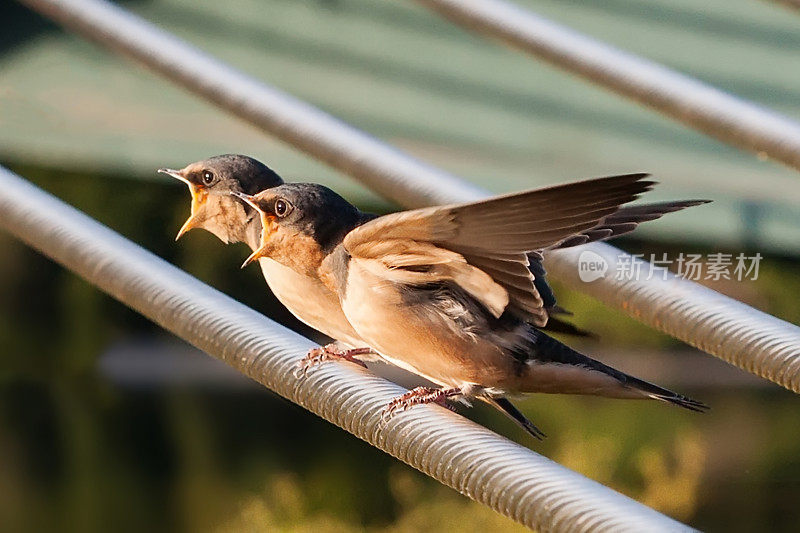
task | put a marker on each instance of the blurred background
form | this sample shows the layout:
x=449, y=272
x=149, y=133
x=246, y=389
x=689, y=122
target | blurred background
x=108, y=421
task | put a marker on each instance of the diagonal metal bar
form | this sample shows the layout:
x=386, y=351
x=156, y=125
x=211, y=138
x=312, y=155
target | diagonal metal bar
x=488, y=468
x=685, y=99
x=764, y=345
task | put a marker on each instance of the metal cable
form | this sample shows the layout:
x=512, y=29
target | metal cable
x=687, y=100
x=762, y=344
x=488, y=468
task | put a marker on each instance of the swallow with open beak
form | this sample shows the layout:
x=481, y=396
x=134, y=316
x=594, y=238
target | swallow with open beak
x=447, y=293
x=211, y=182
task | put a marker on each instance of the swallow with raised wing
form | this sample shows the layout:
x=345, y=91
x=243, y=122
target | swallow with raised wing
x=447, y=293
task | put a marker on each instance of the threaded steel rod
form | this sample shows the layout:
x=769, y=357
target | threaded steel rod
x=685, y=99
x=694, y=314
x=478, y=463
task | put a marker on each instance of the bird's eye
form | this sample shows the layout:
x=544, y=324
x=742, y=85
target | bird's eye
x=282, y=207
x=208, y=177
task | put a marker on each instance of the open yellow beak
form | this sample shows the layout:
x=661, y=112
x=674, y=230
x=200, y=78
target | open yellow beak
x=267, y=227
x=199, y=197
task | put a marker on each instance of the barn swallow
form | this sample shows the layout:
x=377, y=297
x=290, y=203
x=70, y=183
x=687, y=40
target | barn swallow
x=211, y=182
x=446, y=292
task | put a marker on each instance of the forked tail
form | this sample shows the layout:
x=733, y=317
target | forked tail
x=556, y=368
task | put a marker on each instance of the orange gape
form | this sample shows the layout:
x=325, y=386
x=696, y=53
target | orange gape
x=200, y=194
x=199, y=197
x=268, y=228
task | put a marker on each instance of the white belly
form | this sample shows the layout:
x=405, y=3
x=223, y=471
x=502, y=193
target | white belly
x=310, y=301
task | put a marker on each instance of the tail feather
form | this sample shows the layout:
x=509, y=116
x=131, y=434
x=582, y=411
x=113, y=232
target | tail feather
x=514, y=414
x=659, y=393
x=546, y=349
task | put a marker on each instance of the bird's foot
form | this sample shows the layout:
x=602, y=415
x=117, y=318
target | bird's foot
x=417, y=396
x=317, y=356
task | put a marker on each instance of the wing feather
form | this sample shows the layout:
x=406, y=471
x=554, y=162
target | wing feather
x=419, y=263
x=626, y=219
x=493, y=236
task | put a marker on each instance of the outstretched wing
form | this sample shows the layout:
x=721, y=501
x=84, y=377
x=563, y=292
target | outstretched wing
x=492, y=237
x=625, y=220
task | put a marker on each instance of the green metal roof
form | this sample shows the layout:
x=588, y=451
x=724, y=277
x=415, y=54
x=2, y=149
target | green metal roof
x=485, y=112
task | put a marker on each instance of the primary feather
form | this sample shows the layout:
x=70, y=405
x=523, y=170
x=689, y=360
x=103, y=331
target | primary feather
x=495, y=235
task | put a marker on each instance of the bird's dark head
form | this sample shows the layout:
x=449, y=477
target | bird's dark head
x=211, y=182
x=301, y=223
